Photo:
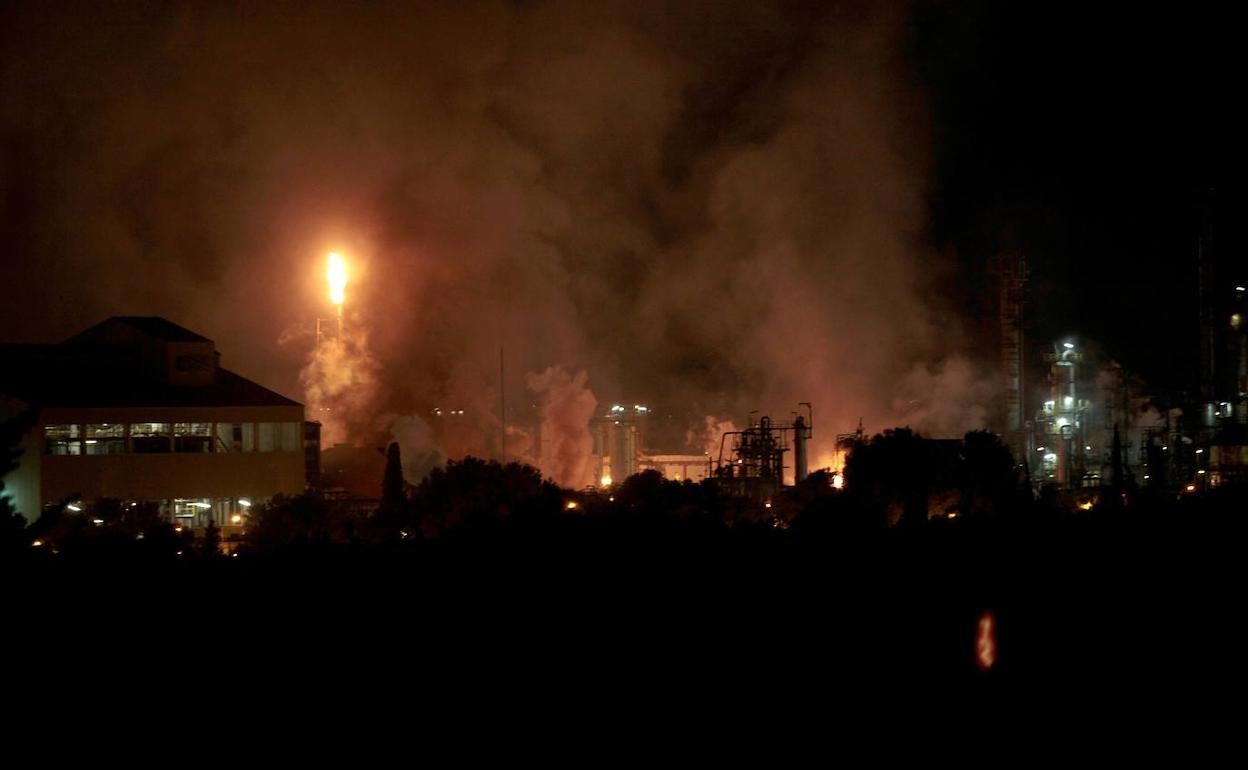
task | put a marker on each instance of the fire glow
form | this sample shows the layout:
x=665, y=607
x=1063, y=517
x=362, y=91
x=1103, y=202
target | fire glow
x=986, y=642
x=336, y=274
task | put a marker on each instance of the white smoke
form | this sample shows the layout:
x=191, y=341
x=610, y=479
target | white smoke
x=340, y=384
x=566, y=406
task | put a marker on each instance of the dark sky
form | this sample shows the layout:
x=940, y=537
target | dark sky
x=723, y=206
x=1081, y=137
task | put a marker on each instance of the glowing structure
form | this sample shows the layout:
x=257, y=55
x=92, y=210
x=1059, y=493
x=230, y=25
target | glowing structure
x=617, y=442
x=336, y=274
x=1063, y=420
x=755, y=467
x=1012, y=275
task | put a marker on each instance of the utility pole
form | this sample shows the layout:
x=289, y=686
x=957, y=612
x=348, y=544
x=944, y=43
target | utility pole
x=502, y=410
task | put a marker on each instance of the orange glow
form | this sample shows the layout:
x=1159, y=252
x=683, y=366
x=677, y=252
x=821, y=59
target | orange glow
x=832, y=461
x=571, y=506
x=986, y=642
x=337, y=276
x=1085, y=506
x=606, y=480
x=838, y=481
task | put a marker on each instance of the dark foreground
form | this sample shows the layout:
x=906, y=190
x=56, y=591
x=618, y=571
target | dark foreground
x=1145, y=611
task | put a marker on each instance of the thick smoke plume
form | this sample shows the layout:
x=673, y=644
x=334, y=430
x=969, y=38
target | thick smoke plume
x=567, y=406
x=340, y=385
x=710, y=208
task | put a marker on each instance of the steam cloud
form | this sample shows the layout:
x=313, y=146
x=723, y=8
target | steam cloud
x=706, y=207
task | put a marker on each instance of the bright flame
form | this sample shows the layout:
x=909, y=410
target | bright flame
x=606, y=480
x=571, y=506
x=337, y=276
x=1085, y=506
x=838, y=481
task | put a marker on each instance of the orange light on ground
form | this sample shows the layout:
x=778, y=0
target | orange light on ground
x=986, y=642
x=336, y=273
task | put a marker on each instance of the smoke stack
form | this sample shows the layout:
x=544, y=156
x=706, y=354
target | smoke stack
x=800, y=470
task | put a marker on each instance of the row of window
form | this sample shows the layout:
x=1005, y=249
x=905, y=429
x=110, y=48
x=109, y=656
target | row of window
x=165, y=437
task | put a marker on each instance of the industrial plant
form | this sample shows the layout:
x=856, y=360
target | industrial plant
x=1076, y=421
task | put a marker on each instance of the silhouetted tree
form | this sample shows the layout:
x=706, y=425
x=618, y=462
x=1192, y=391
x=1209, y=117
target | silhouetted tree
x=987, y=480
x=475, y=495
x=304, y=519
x=12, y=522
x=392, y=483
x=890, y=474
x=210, y=546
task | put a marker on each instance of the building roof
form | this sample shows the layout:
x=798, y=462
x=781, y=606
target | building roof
x=106, y=366
x=153, y=326
x=229, y=389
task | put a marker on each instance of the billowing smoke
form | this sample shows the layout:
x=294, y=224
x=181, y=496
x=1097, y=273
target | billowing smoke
x=707, y=207
x=566, y=407
x=710, y=439
x=947, y=399
x=340, y=385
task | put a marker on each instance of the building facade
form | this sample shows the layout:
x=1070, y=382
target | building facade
x=138, y=409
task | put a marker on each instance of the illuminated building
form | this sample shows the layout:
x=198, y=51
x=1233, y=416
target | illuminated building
x=139, y=409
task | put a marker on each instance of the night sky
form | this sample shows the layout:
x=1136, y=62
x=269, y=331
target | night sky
x=724, y=206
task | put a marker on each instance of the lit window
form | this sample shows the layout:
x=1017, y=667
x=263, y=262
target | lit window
x=62, y=440
x=149, y=437
x=107, y=438
x=194, y=437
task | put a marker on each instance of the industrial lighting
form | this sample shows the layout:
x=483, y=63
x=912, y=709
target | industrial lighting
x=177, y=529
x=953, y=514
x=1201, y=472
x=767, y=504
x=1039, y=449
x=236, y=519
x=244, y=502
x=75, y=507
x=611, y=499
x=1200, y=451
x=1068, y=345
x=1085, y=506
x=97, y=522
x=202, y=506
x=1164, y=448
x=1240, y=288
x=1145, y=475
x=1191, y=487
x=37, y=544
x=571, y=506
